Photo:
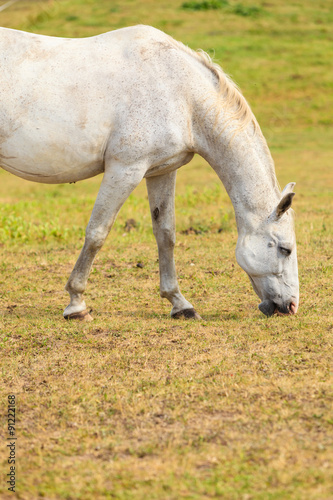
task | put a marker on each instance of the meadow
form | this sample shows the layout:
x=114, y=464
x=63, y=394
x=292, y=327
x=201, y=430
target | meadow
x=135, y=405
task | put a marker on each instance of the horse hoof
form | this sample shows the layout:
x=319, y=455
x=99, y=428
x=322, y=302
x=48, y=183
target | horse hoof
x=187, y=314
x=81, y=316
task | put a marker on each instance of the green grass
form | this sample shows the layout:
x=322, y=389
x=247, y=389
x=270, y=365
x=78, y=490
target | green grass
x=135, y=405
x=205, y=5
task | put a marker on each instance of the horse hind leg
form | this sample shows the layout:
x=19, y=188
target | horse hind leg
x=161, y=194
x=115, y=188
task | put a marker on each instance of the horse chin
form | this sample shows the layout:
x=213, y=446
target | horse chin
x=267, y=307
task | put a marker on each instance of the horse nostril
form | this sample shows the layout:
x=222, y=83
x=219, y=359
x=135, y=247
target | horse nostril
x=293, y=308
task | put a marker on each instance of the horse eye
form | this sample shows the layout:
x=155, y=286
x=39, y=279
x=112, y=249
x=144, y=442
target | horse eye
x=285, y=251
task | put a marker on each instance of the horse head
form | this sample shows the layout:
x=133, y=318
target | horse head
x=267, y=253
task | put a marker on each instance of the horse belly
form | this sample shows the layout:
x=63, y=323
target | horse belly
x=66, y=175
x=39, y=158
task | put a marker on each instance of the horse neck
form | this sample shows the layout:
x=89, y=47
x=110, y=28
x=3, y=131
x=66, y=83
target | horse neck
x=242, y=161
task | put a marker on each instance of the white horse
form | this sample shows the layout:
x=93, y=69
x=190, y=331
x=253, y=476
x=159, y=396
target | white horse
x=134, y=104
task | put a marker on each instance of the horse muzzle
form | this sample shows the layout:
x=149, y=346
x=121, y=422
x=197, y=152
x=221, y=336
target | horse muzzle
x=268, y=307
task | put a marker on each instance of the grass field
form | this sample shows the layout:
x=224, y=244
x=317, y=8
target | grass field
x=138, y=406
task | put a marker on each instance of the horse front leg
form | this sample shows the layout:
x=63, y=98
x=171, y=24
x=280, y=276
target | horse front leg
x=161, y=194
x=115, y=188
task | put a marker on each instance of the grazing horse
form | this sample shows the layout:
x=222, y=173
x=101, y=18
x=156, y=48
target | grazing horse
x=134, y=104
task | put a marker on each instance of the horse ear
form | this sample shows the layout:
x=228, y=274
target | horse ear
x=289, y=188
x=284, y=205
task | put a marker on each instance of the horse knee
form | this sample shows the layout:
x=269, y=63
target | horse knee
x=95, y=238
x=166, y=238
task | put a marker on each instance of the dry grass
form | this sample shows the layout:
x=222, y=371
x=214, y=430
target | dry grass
x=135, y=405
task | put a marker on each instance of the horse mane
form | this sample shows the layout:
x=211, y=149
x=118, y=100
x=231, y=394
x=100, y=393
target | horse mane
x=230, y=98
x=231, y=101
